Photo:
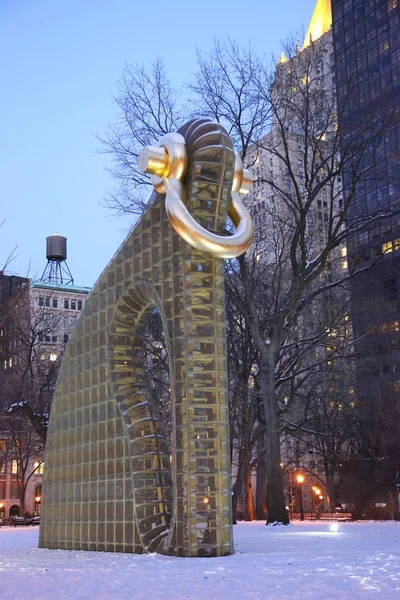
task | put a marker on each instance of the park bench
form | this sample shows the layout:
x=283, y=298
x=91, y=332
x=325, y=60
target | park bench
x=337, y=516
x=308, y=516
x=16, y=521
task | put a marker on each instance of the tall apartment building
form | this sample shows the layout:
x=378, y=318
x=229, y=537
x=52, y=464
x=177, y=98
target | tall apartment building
x=294, y=163
x=366, y=36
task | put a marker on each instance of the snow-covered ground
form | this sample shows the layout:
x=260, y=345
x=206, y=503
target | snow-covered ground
x=302, y=561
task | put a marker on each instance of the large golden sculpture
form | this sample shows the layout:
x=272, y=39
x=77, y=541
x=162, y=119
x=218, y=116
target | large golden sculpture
x=111, y=480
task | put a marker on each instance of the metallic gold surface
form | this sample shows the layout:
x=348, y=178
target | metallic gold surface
x=166, y=177
x=242, y=178
x=202, y=239
x=154, y=160
x=321, y=22
x=109, y=483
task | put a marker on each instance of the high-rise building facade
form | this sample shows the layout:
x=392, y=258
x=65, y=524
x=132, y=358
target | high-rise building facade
x=366, y=37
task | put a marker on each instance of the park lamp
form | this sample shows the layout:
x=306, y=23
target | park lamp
x=37, y=499
x=300, y=480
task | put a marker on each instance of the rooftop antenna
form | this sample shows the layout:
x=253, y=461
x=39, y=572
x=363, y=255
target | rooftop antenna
x=57, y=270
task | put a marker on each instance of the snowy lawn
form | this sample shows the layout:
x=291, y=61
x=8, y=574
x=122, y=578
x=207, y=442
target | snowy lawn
x=301, y=561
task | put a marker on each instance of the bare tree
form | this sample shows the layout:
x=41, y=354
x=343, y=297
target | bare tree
x=297, y=263
x=24, y=449
x=148, y=107
x=32, y=357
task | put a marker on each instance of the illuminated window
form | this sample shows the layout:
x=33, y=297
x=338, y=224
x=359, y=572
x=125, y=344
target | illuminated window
x=5, y=364
x=14, y=490
x=14, y=467
x=397, y=244
x=10, y=362
x=388, y=247
x=42, y=356
x=53, y=356
x=351, y=391
x=38, y=466
x=3, y=445
x=392, y=4
x=343, y=251
x=344, y=265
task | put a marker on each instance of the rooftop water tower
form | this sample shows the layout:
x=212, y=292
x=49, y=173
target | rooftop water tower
x=57, y=270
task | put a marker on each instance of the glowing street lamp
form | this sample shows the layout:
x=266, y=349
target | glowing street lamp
x=37, y=500
x=300, y=480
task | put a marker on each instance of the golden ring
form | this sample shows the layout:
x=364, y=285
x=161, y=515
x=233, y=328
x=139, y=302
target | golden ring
x=201, y=239
x=167, y=163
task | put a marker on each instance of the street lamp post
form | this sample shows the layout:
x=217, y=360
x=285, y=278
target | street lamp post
x=37, y=504
x=300, y=481
x=317, y=492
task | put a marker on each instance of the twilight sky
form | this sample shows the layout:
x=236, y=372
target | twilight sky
x=60, y=63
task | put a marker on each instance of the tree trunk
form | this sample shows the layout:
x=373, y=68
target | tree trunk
x=248, y=501
x=277, y=512
x=238, y=487
x=22, y=499
x=330, y=485
x=261, y=481
x=394, y=504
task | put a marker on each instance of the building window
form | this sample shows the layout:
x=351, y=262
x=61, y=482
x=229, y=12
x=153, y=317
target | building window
x=53, y=356
x=66, y=337
x=14, y=490
x=2, y=492
x=79, y=304
x=38, y=465
x=66, y=303
x=5, y=364
x=41, y=301
x=388, y=247
x=14, y=468
x=73, y=304
x=3, y=445
x=55, y=302
x=54, y=339
x=47, y=303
